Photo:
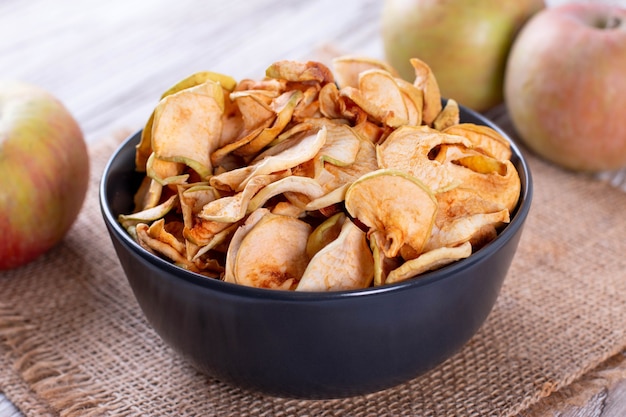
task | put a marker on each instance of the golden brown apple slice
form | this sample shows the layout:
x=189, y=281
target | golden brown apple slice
x=484, y=138
x=144, y=147
x=428, y=261
x=283, y=106
x=187, y=126
x=381, y=89
x=230, y=209
x=273, y=253
x=348, y=67
x=394, y=205
x=149, y=215
x=306, y=187
x=426, y=82
x=324, y=233
x=165, y=172
x=291, y=155
x=300, y=71
x=235, y=243
x=346, y=263
x=413, y=100
x=449, y=116
x=409, y=149
x=463, y=229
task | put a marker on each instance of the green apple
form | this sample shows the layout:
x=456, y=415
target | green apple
x=565, y=86
x=466, y=43
x=44, y=172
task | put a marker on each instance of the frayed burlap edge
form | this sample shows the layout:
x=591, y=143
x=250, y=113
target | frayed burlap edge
x=50, y=376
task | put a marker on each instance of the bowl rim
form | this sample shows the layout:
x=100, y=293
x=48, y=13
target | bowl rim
x=517, y=221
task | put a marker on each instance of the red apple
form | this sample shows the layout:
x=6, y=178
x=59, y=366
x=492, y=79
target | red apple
x=466, y=43
x=44, y=172
x=565, y=86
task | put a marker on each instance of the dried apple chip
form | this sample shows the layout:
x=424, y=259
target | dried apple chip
x=300, y=71
x=394, y=205
x=235, y=243
x=449, y=116
x=381, y=89
x=324, y=233
x=144, y=147
x=484, y=138
x=283, y=106
x=428, y=261
x=148, y=215
x=344, y=264
x=303, y=186
x=301, y=151
x=348, y=67
x=413, y=100
x=409, y=149
x=426, y=82
x=187, y=126
x=273, y=253
x=230, y=209
x=463, y=229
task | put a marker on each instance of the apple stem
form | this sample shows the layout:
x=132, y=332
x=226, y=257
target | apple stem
x=610, y=22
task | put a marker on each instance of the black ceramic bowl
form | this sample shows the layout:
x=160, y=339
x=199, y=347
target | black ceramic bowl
x=311, y=345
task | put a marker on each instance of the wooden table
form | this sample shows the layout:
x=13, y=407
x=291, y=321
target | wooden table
x=109, y=61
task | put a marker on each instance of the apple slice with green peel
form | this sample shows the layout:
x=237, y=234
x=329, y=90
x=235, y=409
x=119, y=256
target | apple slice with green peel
x=341, y=147
x=501, y=185
x=426, y=82
x=409, y=149
x=148, y=215
x=334, y=176
x=230, y=209
x=272, y=254
x=193, y=198
x=449, y=115
x=157, y=231
x=144, y=147
x=394, y=205
x=429, y=261
x=463, y=229
x=302, y=186
x=155, y=245
x=187, y=126
x=346, y=263
x=484, y=138
x=165, y=172
x=290, y=156
x=283, y=106
x=300, y=71
x=201, y=77
x=324, y=233
x=348, y=67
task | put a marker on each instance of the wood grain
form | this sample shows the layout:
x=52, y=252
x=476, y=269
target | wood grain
x=109, y=61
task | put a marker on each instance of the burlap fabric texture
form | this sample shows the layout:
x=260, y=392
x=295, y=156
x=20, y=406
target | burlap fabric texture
x=73, y=341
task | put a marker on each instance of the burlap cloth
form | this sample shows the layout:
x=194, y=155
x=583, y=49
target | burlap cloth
x=73, y=341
